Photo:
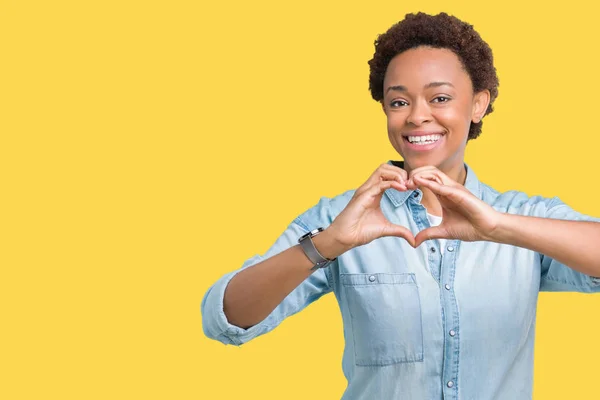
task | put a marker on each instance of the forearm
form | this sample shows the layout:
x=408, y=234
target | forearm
x=575, y=244
x=253, y=293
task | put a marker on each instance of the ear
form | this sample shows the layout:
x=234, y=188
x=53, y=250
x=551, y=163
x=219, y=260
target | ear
x=481, y=100
x=383, y=107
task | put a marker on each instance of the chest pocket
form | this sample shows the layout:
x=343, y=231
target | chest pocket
x=385, y=312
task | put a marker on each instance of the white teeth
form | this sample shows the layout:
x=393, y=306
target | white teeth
x=428, y=139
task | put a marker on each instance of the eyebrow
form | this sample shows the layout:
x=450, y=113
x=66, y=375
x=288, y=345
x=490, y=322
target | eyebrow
x=400, y=88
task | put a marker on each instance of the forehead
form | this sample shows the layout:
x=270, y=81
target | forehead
x=417, y=67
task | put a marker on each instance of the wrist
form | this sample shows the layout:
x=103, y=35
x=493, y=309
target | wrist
x=328, y=245
x=503, y=229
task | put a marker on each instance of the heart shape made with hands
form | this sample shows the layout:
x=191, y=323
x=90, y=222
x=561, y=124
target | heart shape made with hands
x=464, y=216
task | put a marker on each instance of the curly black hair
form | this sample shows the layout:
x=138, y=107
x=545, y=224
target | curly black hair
x=438, y=31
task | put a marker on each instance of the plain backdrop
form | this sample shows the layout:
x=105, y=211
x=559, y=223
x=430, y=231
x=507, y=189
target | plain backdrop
x=149, y=147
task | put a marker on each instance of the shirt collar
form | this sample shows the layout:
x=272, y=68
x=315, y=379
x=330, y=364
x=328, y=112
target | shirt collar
x=398, y=198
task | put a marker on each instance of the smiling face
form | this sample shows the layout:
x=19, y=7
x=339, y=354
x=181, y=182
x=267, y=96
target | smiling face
x=429, y=101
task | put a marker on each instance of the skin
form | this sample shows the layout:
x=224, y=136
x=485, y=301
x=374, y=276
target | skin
x=428, y=90
x=414, y=101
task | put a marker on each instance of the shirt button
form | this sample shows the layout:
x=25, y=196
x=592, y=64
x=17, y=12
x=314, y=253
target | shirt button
x=450, y=248
x=416, y=194
x=450, y=384
x=432, y=249
x=372, y=278
x=447, y=286
x=452, y=333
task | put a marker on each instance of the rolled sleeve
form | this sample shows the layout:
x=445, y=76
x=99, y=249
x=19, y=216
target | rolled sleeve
x=214, y=321
x=557, y=277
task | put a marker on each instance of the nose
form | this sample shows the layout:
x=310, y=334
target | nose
x=419, y=113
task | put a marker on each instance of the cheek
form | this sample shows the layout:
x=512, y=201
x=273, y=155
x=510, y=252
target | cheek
x=453, y=116
x=395, y=121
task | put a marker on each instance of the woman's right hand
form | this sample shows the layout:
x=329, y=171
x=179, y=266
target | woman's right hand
x=362, y=221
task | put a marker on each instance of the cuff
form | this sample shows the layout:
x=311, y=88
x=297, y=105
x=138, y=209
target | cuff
x=214, y=320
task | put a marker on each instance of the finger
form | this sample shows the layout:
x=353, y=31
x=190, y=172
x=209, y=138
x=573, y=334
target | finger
x=384, y=172
x=399, y=170
x=434, y=232
x=428, y=169
x=443, y=190
x=425, y=175
x=445, y=179
x=393, y=171
x=378, y=189
x=383, y=177
x=399, y=231
x=457, y=187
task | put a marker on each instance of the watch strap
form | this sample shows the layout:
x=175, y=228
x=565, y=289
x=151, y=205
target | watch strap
x=311, y=251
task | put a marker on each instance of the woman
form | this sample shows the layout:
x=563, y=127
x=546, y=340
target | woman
x=432, y=308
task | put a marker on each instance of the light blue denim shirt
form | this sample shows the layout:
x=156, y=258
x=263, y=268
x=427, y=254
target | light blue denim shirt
x=419, y=325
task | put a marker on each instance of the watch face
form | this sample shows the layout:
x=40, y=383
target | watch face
x=315, y=231
x=312, y=233
x=304, y=236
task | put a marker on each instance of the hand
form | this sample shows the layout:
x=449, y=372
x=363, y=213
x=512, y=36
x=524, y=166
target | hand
x=362, y=221
x=464, y=216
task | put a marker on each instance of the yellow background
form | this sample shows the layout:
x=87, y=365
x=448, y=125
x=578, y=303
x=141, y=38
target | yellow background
x=149, y=147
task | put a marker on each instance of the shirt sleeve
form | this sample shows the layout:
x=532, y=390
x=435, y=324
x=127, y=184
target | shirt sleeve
x=557, y=277
x=215, y=323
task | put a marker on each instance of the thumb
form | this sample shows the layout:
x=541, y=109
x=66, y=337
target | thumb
x=434, y=232
x=399, y=231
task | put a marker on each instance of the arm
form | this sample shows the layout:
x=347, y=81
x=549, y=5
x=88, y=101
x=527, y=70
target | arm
x=573, y=243
x=272, y=287
x=254, y=299
x=253, y=294
x=568, y=242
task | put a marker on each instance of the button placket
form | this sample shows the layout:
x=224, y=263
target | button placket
x=450, y=314
x=432, y=252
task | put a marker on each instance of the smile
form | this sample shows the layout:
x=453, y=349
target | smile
x=422, y=140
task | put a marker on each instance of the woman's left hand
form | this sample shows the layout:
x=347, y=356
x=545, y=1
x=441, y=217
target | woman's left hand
x=464, y=216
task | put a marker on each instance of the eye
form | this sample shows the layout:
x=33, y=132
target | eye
x=398, y=103
x=441, y=99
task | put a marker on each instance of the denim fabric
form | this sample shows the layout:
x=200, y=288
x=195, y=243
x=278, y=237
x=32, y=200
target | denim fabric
x=418, y=324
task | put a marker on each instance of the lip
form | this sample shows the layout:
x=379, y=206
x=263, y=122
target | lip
x=420, y=147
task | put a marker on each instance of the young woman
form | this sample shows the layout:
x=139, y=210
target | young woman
x=437, y=274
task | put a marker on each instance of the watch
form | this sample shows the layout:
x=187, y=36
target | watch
x=311, y=251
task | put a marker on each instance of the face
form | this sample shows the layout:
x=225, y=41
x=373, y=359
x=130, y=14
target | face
x=430, y=104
